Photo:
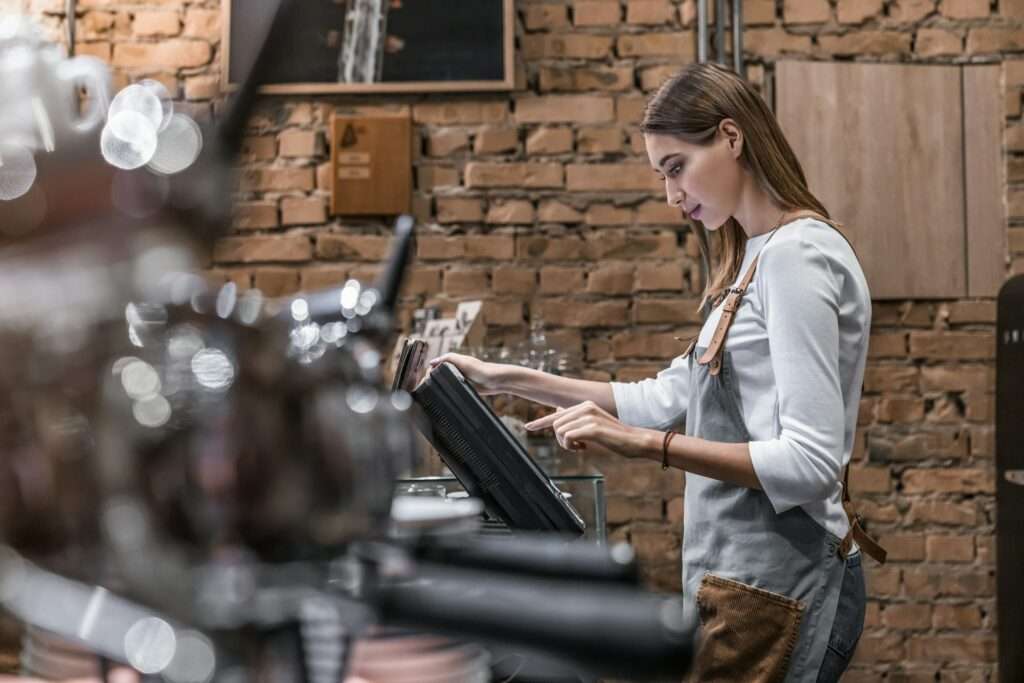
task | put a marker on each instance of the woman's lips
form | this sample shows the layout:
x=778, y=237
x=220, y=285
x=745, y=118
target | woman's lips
x=695, y=214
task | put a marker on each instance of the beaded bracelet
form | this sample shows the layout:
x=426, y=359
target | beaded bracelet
x=664, y=448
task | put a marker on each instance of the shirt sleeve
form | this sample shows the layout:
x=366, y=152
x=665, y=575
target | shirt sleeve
x=657, y=403
x=800, y=299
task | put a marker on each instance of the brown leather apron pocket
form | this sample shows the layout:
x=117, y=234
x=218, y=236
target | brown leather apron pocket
x=747, y=633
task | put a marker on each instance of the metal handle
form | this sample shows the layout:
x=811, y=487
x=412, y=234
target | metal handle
x=737, y=33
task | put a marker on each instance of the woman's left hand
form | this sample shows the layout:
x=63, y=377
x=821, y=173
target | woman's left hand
x=587, y=424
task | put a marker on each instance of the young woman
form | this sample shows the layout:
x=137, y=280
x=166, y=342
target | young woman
x=768, y=393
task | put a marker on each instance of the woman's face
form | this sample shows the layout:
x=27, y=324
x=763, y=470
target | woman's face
x=702, y=180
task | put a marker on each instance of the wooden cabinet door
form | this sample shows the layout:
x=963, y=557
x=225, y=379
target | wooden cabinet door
x=883, y=146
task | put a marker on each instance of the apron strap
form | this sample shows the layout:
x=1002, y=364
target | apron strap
x=713, y=354
x=856, y=532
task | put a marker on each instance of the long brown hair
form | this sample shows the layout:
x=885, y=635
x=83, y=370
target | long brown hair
x=690, y=106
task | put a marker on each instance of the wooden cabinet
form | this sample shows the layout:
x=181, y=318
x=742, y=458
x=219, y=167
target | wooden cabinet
x=909, y=159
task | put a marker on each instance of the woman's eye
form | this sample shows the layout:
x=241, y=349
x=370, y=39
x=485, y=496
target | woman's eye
x=673, y=171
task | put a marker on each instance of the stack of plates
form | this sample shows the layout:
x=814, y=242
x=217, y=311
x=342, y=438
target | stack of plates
x=48, y=656
x=404, y=657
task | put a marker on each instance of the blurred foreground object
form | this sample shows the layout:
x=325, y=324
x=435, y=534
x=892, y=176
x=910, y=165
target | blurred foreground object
x=198, y=483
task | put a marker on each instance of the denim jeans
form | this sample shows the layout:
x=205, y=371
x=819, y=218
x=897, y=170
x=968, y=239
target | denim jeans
x=848, y=624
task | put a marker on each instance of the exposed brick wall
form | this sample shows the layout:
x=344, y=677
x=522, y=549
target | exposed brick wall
x=540, y=202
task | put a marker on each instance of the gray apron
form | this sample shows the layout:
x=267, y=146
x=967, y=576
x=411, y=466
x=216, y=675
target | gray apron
x=765, y=585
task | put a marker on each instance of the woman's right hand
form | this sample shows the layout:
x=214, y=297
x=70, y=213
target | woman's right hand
x=484, y=376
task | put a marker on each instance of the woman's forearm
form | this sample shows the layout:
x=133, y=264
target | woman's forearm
x=554, y=390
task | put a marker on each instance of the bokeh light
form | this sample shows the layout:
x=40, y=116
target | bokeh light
x=17, y=171
x=128, y=140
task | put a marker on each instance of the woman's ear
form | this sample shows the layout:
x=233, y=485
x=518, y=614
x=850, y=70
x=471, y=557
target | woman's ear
x=733, y=136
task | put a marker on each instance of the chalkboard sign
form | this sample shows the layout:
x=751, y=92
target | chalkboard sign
x=376, y=45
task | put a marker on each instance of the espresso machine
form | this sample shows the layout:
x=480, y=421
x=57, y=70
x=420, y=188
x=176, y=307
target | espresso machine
x=197, y=482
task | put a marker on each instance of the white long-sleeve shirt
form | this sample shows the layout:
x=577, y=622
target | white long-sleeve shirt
x=798, y=345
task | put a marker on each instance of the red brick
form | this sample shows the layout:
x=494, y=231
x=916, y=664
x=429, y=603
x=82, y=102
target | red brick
x=319, y=277
x=300, y=143
x=645, y=345
x=891, y=378
x=678, y=45
x=512, y=211
x=277, y=179
x=598, y=140
x=465, y=282
x=887, y=345
x=430, y=177
x=342, y=247
x=596, y=12
x=613, y=278
x=565, y=46
x=495, y=140
x=650, y=12
x=490, y=247
x=937, y=42
x=514, y=280
x=256, y=249
x=459, y=210
x=156, y=23
x=950, y=548
x=655, y=276
x=900, y=410
x=444, y=143
x=258, y=148
x=952, y=345
x=437, y=248
x=565, y=109
x=203, y=23
x=608, y=214
x=957, y=617
x=805, y=11
x=275, y=282
x=503, y=313
x=169, y=54
x=620, y=244
x=622, y=177
x=942, y=512
x=303, y=210
x=531, y=175
x=856, y=11
x=552, y=211
x=422, y=281
x=203, y=87
x=964, y=9
x=773, y=42
x=994, y=39
x=460, y=113
x=549, y=249
x=561, y=279
x=904, y=546
x=910, y=11
x=255, y=215
x=548, y=140
x=952, y=649
x=948, y=480
x=970, y=378
x=877, y=43
x=545, y=17
x=870, y=480
x=606, y=313
x=907, y=616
